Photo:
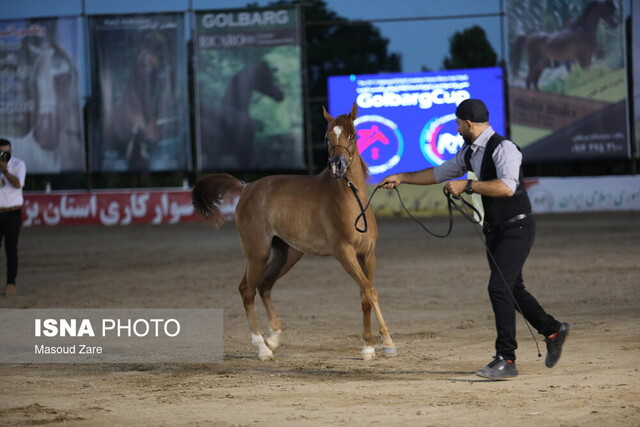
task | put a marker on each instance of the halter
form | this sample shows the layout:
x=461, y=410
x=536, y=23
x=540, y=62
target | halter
x=351, y=152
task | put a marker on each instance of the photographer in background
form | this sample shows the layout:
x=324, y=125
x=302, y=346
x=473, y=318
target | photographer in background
x=13, y=172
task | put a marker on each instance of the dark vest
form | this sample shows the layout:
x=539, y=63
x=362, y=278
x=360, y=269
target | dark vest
x=497, y=210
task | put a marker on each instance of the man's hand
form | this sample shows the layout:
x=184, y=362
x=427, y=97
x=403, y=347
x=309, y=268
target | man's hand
x=456, y=188
x=3, y=166
x=391, y=181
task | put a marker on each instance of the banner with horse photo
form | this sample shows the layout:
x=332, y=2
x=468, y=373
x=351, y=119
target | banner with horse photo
x=248, y=90
x=139, y=105
x=568, y=80
x=40, y=109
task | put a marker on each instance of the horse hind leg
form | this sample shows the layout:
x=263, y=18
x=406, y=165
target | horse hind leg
x=283, y=257
x=247, y=288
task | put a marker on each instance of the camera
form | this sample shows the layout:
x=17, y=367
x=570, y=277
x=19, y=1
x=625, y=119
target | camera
x=5, y=156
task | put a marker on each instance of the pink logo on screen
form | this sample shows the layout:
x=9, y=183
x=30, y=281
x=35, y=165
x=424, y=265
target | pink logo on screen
x=379, y=142
x=367, y=138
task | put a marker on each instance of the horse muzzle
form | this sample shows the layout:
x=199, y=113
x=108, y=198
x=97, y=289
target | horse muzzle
x=337, y=166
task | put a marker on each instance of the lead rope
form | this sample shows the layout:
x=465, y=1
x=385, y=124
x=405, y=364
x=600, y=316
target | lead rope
x=362, y=209
x=467, y=210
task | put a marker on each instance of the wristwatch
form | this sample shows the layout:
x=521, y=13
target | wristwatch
x=467, y=188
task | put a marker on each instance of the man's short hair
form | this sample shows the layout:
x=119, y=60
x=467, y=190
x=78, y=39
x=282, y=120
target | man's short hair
x=4, y=141
x=473, y=110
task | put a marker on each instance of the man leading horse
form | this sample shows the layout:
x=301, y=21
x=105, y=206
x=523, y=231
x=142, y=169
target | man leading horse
x=509, y=231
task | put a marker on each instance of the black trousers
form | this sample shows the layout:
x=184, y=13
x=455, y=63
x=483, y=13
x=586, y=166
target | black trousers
x=10, y=224
x=508, y=250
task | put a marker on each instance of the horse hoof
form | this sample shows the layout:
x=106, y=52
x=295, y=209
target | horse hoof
x=389, y=351
x=272, y=344
x=265, y=355
x=368, y=353
x=273, y=340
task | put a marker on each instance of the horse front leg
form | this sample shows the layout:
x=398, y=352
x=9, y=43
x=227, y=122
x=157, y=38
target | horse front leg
x=354, y=268
x=247, y=290
x=368, y=352
x=368, y=265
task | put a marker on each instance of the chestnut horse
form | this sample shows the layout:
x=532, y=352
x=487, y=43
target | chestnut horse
x=279, y=218
x=576, y=42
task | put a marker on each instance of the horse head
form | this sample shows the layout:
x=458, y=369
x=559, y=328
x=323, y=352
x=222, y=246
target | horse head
x=596, y=10
x=265, y=81
x=341, y=141
x=610, y=13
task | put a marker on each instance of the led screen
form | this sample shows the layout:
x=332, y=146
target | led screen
x=406, y=121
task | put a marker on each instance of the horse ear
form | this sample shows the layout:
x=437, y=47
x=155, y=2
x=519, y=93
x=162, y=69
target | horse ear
x=354, y=112
x=326, y=115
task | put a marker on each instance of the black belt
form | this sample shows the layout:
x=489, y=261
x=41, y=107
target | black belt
x=11, y=209
x=507, y=223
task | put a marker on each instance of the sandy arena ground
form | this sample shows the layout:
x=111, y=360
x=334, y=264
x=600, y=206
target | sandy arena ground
x=583, y=269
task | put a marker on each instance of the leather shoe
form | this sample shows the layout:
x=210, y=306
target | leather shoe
x=10, y=289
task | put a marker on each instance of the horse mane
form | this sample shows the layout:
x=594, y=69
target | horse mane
x=348, y=125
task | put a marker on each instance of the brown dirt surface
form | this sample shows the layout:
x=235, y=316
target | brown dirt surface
x=583, y=269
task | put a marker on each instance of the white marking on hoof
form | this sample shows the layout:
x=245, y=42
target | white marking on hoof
x=390, y=351
x=368, y=353
x=263, y=351
x=273, y=340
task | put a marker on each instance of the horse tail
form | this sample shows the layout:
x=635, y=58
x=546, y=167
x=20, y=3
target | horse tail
x=516, y=54
x=209, y=192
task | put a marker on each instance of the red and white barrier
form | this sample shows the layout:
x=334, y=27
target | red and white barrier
x=548, y=195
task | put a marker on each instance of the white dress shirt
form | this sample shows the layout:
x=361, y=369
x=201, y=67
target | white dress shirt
x=506, y=157
x=11, y=196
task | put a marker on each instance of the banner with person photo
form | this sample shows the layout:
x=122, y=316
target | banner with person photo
x=248, y=90
x=40, y=104
x=568, y=80
x=139, y=103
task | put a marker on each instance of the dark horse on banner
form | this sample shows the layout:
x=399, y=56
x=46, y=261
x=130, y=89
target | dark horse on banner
x=574, y=43
x=281, y=217
x=131, y=120
x=228, y=130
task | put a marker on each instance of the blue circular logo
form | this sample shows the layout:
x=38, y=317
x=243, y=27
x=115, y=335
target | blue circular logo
x=440, y=140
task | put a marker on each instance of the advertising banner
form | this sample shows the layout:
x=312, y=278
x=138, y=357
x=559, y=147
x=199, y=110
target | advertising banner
x=40, y=106
x=248, y=89
x=584, y=194
x=110, y=208
x=406, y=122
x=568, y=80
x=139, y=106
